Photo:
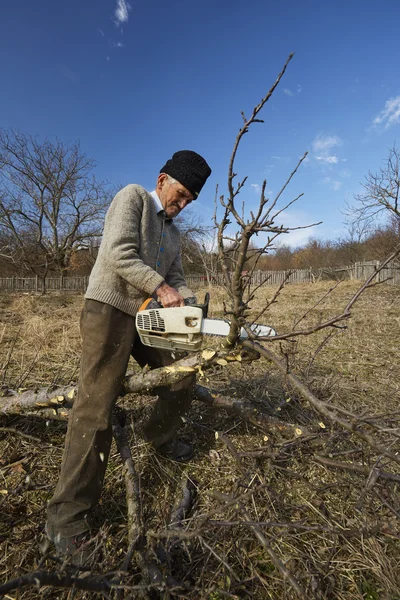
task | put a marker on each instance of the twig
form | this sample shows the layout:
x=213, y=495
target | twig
x=317, y=404
x=265, y=543
x=183, y=509
x=21, y=434
x=58, y=580
x=334, y=321
x=357, y=468
x=135, y=525
x=231, y=448
x=248, y=412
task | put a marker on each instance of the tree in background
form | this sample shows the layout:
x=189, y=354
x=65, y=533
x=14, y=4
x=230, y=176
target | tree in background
x=199, y=252
x=50, y=201
x=383, y=240
x=381, y=192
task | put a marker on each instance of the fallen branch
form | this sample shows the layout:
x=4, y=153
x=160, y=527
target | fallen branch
x=181, y=512
x=232, y=450
x=91, y=583
x=321, y=407
x=58, y=580
x=136, y=537
x=363, y=469
x=135, y=525
x=286, y=574
x=55, y=404
x=14, y=402
x=248, y=412
x=334, y=321
x=27, y=436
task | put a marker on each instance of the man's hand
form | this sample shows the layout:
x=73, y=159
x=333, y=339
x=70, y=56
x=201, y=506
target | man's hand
x=169, y=296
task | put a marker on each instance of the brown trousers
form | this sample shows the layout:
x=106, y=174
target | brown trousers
x=109, y=337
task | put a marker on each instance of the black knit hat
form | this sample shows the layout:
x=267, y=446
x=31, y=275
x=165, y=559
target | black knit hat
x=189, y=168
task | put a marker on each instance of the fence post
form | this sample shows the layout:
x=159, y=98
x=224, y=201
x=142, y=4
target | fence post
x=380, y=274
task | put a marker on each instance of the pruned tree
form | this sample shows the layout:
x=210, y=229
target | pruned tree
x=264, y=221
x=50, y=200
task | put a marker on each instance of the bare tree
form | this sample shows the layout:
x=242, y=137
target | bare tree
x=50, y=200
x=199, y=250
x=263, y=221
x=381, y=194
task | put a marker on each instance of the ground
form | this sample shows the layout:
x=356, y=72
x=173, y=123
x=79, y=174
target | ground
x=335, y=528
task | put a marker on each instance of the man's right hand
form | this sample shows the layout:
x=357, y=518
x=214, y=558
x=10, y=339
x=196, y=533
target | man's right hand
x=169, y=296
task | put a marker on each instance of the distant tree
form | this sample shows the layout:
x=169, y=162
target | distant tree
x=351, y=247
x=198, y=246
x=315, y=253
x=381, y=196
x=283, y=257
x=50, y=201
x=383, y=240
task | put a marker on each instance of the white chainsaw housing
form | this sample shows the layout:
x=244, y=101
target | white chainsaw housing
x=183, y=328
x=171, y=328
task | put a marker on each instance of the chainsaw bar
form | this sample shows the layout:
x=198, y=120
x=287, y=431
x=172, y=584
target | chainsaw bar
x=221, y=328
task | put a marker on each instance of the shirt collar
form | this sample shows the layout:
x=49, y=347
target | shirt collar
x=157, y=201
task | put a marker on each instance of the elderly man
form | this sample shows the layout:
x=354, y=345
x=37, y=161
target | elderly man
x=139, y=257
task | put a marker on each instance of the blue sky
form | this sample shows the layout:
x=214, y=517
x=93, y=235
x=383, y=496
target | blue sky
x=136, y=82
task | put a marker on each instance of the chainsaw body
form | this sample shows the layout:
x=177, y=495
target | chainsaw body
x=171, y=328
x=183, y=328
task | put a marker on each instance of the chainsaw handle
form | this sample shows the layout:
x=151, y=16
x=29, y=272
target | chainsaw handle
x=204, y=307
x=152, y=303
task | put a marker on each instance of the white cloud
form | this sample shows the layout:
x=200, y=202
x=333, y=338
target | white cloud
x=332, y=160
x=297, y=238
x=299, y=88
x=334, y=184
x=322, y=146
x=257, y=190
x=296, y=217
x=102, y=32
x=323, y=143
x=122, y=12
x=288, y=92
x=390, y=115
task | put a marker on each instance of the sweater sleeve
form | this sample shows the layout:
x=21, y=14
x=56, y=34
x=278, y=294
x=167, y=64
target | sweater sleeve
x=122, y=231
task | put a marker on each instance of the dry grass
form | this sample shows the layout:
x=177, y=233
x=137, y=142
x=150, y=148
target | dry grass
x=336, y=533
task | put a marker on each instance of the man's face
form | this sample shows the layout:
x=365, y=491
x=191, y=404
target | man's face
x=174, y=196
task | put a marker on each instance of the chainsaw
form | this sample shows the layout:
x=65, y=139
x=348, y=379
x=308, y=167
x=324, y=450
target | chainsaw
x=182, y=328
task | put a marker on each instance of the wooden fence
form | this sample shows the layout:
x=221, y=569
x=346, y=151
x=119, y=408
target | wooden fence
x=35, y=284
x=363, y=270
x=359, y=271
x=259, y=277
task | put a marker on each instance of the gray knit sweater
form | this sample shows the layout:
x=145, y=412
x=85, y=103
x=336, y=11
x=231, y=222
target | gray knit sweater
x=139, y=250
